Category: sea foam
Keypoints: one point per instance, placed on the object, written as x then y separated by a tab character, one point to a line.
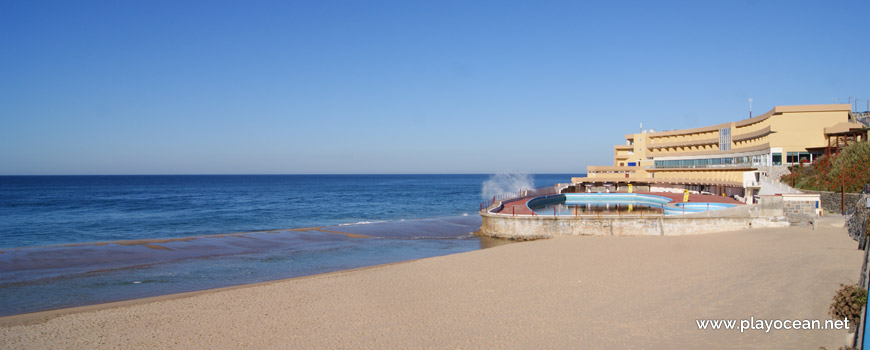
506	183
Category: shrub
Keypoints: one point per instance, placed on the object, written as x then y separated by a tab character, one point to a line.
850	168
848	302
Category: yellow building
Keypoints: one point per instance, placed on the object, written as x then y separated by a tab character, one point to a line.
723	158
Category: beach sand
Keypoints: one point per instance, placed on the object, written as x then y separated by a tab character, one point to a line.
568	292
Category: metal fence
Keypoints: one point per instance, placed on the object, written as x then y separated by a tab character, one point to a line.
857	219
521	194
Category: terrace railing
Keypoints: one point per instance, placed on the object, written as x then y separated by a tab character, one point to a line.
496	201
703	166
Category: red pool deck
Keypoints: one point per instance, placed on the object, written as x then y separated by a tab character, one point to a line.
519	207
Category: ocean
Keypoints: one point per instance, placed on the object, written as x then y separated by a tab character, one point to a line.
79	240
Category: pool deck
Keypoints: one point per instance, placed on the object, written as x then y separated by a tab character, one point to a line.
519	207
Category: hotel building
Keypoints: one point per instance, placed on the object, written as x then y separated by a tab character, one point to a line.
726	158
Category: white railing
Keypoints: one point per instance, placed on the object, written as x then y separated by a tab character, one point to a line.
504	197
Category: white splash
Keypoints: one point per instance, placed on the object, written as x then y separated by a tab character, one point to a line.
506	183
358	223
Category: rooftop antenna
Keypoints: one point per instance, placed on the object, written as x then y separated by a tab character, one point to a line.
750	107
641	127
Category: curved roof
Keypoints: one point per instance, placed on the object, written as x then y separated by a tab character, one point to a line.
843	127
842	107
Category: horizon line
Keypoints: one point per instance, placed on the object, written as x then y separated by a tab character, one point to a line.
290	174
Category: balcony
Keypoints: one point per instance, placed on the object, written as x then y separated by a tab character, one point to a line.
751	135
701	142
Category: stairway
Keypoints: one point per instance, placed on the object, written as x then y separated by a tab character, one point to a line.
771	187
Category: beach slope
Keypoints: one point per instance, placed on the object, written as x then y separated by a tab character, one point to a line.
567	292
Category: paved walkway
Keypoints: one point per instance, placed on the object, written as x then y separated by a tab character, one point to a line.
517	207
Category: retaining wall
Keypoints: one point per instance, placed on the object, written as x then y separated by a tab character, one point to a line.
801	209
831	201
542	226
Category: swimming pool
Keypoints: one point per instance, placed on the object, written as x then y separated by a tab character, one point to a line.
688	208
616	204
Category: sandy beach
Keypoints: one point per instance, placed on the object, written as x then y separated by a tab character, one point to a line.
567	292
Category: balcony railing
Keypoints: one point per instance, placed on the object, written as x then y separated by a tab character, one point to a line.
702	166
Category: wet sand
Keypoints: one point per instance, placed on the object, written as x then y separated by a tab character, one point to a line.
567	292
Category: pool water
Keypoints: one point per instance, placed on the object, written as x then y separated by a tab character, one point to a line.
688	208
616	204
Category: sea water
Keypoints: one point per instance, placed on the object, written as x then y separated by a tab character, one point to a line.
80	240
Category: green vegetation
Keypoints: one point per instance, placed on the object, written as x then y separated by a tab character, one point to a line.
849	168
848	303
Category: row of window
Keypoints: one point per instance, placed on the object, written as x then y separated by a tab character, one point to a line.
794	157
706	162
756	160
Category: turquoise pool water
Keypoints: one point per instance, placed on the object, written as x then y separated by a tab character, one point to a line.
616	204
689	208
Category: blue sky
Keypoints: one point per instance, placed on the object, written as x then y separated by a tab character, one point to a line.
249	87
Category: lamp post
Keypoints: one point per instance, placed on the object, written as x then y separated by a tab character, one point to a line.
843	189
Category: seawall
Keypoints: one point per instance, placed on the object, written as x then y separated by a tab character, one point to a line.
771	211
538	227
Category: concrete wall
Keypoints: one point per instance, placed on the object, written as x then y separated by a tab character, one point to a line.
801	209
537	227
831	201
795	132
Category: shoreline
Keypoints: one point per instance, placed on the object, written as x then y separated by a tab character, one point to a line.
38	317
41	316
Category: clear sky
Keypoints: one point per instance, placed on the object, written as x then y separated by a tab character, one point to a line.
250	87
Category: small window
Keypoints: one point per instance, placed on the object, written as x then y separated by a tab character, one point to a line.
777	159
804	157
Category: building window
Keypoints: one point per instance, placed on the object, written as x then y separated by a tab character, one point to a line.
777	159
804	157
755	160
791	157
725	139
